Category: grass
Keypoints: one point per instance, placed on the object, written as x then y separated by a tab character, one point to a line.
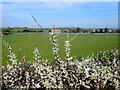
0	52
0	47
82	45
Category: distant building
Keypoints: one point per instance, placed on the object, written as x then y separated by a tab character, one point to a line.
94	30
103	30
45	31
56	31
110	31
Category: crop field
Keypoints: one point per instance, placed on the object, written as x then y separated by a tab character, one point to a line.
83	45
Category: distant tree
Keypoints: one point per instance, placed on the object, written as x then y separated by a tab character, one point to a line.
106	30
96	30
77	30
25	29
70	30
100	30
41	30
7	31
84	31
118	31
18	31
49	30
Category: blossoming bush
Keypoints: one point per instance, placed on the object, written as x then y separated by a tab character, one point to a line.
98	72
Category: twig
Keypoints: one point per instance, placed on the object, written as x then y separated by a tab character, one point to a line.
36	21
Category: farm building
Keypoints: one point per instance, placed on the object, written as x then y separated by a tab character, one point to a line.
56	31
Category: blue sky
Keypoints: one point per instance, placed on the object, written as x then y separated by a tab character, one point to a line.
62	14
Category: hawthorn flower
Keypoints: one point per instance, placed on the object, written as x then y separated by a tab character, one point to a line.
67	49
37	85
89	73
54	42
12	57
37	57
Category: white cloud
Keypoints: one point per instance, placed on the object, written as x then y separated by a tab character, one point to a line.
26	7
21	13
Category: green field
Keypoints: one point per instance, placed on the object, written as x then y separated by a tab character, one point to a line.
0	47
0	52
82	45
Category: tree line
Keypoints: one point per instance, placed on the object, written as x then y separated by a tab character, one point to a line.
10	30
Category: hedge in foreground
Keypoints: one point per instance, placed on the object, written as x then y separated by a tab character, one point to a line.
98	72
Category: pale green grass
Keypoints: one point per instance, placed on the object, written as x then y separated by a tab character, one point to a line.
82	45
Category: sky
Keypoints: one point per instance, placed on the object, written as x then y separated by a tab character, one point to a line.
62	14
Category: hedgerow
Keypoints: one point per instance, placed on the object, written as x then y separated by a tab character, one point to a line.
97	72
